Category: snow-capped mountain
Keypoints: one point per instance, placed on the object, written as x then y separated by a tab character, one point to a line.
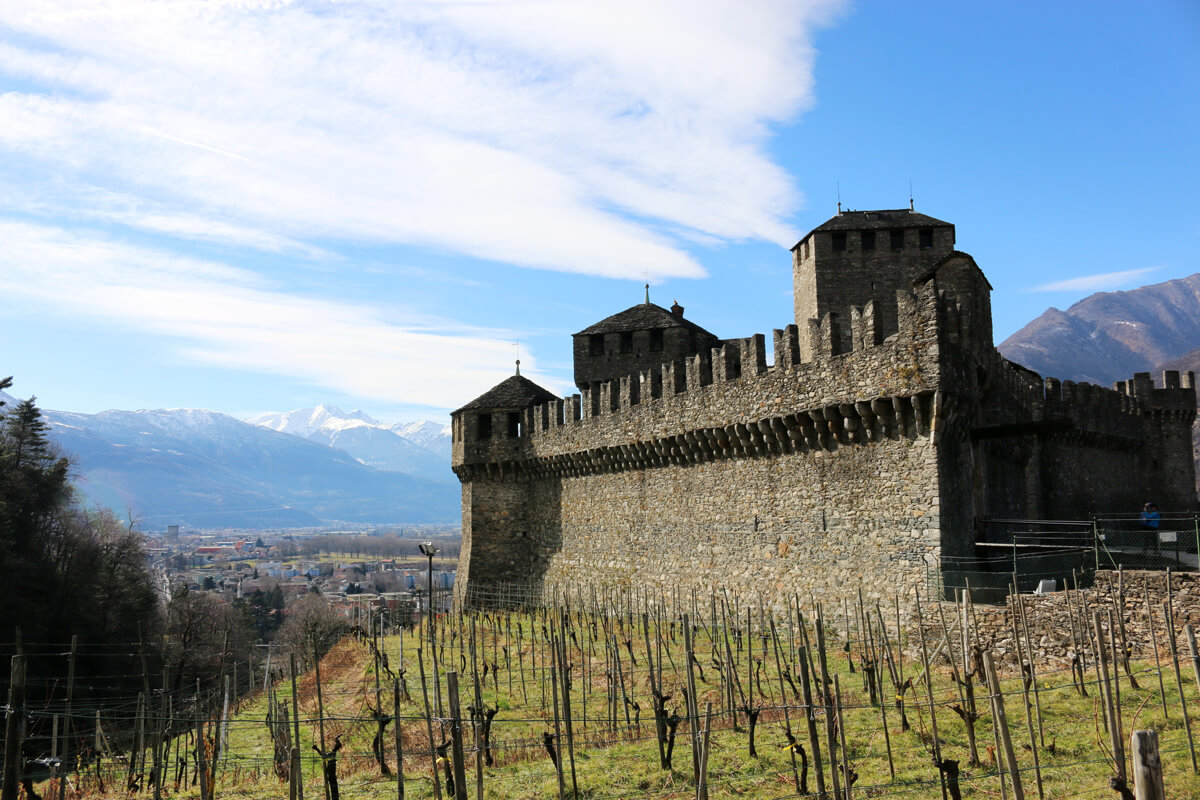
306	421
206	469
415	448
434	436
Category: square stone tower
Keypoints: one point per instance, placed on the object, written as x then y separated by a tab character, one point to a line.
859	256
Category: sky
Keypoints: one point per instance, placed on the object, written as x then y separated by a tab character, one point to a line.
261	206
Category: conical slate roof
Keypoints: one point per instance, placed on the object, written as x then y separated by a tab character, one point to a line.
642	317
515	392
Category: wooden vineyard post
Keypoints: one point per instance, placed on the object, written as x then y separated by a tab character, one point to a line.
223	742
98	746
1037	697
201	748
562	789
1027	678
1105	689
827	702
135	754
1162	689
1147	767
477	714
936	750
565	687
787	720
814	741
847	774
702	786
14	728
692	706
399	744
320	711
1187	723
1010	756
296	780
70	752
296	736
1115	684
433	756
456	740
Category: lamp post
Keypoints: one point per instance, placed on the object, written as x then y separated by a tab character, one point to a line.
428	550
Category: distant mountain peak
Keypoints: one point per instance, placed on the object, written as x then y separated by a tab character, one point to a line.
304	422
417	448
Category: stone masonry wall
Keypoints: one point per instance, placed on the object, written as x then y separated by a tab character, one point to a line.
800	522
1050	620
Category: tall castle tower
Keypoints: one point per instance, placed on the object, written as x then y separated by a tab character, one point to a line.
859	256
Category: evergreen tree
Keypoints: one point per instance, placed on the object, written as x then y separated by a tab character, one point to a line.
64	569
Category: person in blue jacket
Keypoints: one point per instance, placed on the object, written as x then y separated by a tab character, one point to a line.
1149	522
1151	517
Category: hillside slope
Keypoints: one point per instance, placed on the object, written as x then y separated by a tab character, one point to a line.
1108	336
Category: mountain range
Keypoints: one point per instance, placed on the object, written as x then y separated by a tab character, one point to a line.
414	448
203	469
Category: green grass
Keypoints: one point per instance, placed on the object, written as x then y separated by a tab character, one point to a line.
624	763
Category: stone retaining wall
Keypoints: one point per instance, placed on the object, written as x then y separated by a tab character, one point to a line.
1050	616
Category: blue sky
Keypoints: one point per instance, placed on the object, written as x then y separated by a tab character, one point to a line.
255	206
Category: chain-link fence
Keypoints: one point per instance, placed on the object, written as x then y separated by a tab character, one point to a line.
1048	555
1170	542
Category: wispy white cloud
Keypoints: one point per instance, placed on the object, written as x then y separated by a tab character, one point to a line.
585	137
1101	282
85	203
230	317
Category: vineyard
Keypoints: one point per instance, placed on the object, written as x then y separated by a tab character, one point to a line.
639	695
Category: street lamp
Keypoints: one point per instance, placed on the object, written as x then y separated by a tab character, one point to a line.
428	550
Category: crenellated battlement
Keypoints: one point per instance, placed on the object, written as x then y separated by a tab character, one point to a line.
726	387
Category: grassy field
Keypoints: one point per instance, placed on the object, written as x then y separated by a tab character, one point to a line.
622	760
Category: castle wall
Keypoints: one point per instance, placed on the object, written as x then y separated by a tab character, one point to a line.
797	522
796	476
868	460
736	386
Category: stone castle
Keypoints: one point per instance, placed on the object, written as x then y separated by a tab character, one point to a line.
865	452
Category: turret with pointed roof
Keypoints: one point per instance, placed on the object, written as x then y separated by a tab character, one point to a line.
513	392
634	340
489	427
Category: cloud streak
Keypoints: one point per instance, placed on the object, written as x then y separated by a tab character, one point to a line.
232	318
591	138
1101	282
